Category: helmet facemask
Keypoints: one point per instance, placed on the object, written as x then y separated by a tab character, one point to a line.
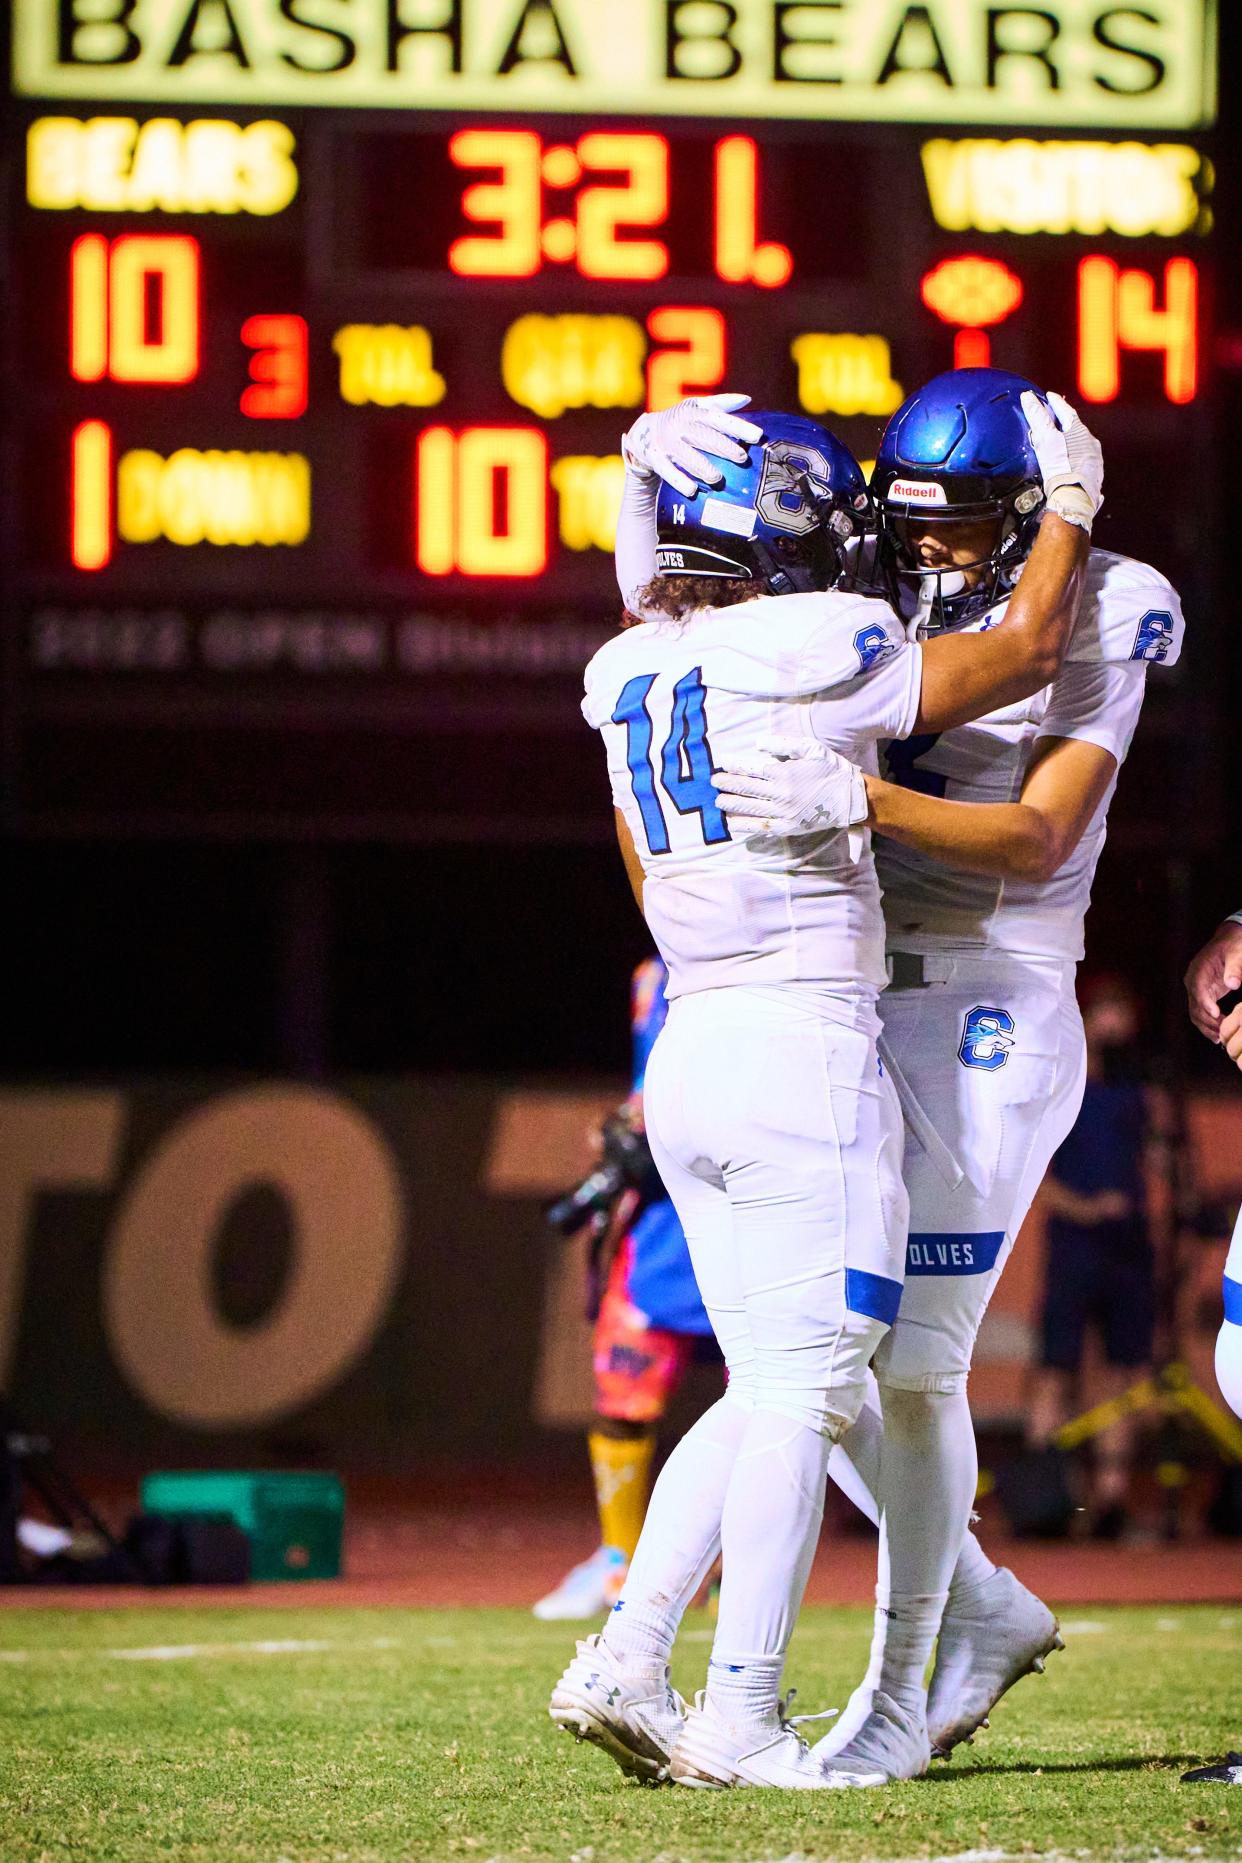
950	594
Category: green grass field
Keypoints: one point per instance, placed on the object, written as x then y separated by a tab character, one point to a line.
355	1736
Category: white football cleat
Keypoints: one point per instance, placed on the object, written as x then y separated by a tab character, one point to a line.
589	1590
1004	1633
711	1753
635	1715
891	1744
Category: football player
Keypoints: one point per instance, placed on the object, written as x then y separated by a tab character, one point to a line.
650	1327
990	834
770	1115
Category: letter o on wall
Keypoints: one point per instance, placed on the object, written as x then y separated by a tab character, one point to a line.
340	1183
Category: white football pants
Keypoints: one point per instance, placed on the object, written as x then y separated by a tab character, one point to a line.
778	1136
990	1062
1229	1339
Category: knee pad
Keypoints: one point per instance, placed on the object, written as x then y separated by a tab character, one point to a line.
933	1383
921	1358
822	1387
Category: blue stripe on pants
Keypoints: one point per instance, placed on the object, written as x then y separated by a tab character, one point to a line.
929	1252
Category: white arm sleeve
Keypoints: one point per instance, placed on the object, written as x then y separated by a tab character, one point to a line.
1099	703
636	539
881	703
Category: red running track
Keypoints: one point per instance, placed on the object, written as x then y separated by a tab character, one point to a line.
510	1550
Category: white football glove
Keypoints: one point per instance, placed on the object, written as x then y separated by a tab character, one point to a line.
674	444
794	787
1071	464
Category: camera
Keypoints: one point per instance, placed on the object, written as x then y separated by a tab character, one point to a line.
627	1164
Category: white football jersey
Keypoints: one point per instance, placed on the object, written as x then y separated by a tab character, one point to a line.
1130	618
676	699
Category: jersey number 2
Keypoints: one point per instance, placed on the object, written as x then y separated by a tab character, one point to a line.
685	762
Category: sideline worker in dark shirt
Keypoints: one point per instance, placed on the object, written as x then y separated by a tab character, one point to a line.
1099	1269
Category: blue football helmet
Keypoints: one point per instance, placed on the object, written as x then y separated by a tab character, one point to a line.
781	519
958	450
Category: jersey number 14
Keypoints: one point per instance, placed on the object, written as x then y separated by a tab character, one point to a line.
686	767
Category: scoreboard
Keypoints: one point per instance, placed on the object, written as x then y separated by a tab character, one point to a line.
312	407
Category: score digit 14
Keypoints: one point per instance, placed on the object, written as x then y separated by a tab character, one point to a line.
523	236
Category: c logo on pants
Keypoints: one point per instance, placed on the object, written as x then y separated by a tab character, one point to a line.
987	1037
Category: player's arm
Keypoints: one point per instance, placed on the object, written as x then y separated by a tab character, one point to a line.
1087	1210
629	855
1030	839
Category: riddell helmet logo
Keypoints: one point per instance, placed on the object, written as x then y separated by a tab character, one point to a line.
918	491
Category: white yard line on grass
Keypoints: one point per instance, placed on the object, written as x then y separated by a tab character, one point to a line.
1131	1854
180	1652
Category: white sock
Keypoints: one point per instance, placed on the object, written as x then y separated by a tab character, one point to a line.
680	1537
972	1570
854	1466
745	1690
769	1531
911	1623
928	1475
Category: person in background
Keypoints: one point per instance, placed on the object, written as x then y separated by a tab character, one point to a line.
1216	972
651	1326
1099	1270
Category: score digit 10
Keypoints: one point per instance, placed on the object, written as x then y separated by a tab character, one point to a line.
525	236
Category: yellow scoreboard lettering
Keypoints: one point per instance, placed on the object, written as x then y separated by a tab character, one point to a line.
549	364
387	365
845	374
116	164
213	497
588	494
1065	62
1137	189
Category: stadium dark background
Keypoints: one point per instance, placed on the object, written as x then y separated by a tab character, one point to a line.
132	957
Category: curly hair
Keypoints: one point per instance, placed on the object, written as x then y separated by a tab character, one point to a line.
675	596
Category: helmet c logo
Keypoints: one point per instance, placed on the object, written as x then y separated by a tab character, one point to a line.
987	1037
1155	635
780	502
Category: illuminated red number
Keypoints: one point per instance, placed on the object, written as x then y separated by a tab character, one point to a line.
514	204
742	258
133	308
1117	310
698	361
641	200
481	501
277	388
973	292
90	495
88	308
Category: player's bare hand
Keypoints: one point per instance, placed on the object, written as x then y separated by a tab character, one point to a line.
1071	463
1231	1035
675	444
792	787
1214	972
